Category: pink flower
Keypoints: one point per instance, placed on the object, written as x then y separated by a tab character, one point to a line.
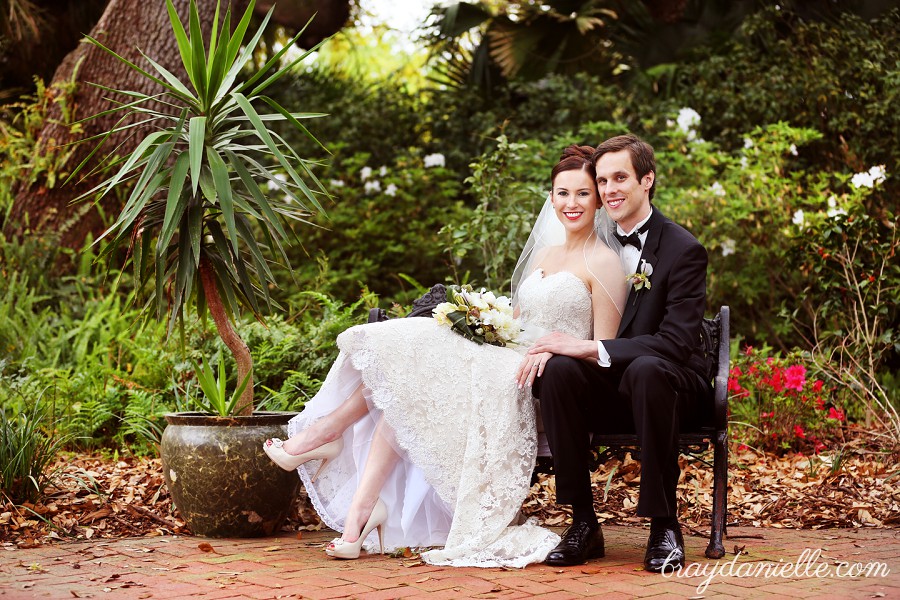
795	377
836	413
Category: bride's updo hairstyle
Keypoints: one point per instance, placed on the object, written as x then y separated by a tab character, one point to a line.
549	231
575	157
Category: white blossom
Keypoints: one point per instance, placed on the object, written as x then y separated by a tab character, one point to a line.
382	171
687	119
442	310
435	160
273	185
338	183
793	149
373	186
728	247
799	218
717	189
390	190
870	178
833	209
748	143
365	173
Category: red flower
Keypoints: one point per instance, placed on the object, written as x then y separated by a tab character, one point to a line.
795	377
798	431
748	351
820	404
817	386
775	380
836	413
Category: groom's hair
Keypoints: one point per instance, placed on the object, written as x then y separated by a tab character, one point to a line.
642	157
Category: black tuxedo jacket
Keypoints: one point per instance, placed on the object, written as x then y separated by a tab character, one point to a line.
664	321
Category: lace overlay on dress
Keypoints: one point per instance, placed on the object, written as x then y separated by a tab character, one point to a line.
465	432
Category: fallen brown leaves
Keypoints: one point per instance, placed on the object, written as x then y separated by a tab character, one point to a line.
102	498
858	487
95	498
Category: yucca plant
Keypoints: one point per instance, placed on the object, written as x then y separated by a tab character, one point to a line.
200	178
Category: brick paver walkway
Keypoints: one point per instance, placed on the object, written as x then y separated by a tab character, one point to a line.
288	567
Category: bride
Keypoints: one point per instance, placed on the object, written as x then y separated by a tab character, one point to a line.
428	439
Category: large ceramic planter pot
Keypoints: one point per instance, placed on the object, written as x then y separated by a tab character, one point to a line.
221	481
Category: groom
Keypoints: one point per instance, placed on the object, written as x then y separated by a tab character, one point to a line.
649	377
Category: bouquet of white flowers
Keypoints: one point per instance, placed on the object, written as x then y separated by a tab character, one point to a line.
479	316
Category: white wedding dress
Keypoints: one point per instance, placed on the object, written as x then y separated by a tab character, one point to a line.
465	432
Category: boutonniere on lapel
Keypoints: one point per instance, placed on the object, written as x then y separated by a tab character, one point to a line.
641	279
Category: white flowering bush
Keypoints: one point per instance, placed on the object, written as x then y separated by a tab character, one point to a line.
479	316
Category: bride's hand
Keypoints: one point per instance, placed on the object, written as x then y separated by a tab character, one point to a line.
532	366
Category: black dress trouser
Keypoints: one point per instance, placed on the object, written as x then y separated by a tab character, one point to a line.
652	396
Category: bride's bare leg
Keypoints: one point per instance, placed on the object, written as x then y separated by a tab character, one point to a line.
379	464
331	426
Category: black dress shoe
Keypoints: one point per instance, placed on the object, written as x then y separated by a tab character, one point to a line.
580	542
665	549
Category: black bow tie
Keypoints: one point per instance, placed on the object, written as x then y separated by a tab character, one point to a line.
632	238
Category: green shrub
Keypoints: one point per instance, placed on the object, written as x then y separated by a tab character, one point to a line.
384	222
840	77
847	253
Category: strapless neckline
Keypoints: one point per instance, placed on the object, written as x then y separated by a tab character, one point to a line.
545	275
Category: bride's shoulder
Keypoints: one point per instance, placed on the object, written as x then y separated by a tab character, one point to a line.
604	256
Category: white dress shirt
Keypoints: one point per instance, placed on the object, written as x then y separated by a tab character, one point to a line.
630	258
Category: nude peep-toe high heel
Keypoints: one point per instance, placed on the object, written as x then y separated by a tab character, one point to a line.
289	462
338	548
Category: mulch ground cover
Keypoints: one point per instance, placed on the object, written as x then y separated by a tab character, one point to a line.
859	486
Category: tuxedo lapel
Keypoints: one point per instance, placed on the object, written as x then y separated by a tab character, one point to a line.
654	232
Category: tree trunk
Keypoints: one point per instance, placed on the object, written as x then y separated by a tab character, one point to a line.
238	347
293	15
125	26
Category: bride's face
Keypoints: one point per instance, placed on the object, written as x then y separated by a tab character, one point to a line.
575	199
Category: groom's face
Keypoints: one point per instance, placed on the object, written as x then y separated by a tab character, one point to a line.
625	196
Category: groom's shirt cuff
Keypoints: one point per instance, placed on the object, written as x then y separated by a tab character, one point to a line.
602	355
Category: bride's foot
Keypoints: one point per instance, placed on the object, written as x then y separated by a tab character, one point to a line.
275	449
310	438
344	546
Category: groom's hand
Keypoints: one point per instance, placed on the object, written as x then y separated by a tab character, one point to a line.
532	366
566	345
